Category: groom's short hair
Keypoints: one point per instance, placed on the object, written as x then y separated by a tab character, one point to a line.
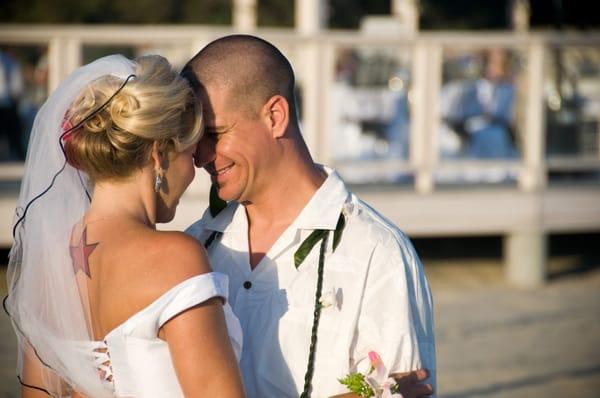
250	68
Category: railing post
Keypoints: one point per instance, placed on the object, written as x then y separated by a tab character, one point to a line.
310	19
55	63
525	249
244	15
525	256
311	16
322	152
407	11
426	72
533	173
64	56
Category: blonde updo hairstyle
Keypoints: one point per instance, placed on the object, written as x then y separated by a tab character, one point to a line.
157	105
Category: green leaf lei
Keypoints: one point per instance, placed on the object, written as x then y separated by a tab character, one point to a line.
216	205
299	256
317	235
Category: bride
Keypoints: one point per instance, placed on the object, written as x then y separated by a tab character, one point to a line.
102	303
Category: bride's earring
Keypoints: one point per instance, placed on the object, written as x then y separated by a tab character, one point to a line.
157	180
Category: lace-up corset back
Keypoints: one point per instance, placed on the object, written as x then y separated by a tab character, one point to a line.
133	362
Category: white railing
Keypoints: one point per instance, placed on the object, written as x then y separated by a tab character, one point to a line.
524	212
314	57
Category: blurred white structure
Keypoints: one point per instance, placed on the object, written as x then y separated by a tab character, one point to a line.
520	13
244	15
407	12
524	212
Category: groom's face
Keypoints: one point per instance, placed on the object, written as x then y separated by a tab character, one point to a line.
235	146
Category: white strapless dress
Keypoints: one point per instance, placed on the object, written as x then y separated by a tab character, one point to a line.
134	362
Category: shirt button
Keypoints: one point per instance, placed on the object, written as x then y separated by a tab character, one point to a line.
247	285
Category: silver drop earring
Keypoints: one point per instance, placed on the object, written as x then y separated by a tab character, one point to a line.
157	182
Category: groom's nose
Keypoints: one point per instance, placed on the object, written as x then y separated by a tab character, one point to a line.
205	152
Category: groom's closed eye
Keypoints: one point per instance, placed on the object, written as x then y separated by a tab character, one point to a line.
215	133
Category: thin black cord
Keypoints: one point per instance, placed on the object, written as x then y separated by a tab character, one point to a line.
83	186
34	351
32	201
34	387
23	334
62	148
20	220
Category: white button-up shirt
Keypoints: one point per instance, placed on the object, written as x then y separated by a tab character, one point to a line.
381	299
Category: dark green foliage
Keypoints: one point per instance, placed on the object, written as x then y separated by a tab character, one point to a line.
307	245
215	204
339	228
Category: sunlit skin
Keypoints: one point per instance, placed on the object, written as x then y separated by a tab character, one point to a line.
234	147
133	264
260	160
179	172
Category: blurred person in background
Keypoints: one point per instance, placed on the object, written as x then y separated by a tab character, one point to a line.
480	113
11	90
35	74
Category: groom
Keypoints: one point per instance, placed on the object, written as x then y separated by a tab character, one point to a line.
317	278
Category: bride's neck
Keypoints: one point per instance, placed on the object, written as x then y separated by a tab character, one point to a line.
124	199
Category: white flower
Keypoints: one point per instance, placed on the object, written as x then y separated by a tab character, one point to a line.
329	298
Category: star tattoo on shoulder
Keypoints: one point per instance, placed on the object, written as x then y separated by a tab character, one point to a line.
80	254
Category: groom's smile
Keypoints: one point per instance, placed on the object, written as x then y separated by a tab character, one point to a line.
217	175
235	146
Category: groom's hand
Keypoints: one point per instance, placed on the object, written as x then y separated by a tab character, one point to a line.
410	384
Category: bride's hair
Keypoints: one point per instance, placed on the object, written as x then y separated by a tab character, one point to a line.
157	105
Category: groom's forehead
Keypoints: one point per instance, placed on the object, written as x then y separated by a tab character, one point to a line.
212	105
220	107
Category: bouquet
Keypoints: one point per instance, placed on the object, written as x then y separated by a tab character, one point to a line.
376	383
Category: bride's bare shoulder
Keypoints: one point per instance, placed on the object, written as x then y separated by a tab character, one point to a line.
149	263
173	257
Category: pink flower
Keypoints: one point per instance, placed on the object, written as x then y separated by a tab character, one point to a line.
375	359
378	378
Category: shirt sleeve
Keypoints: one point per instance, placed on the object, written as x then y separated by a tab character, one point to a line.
396	314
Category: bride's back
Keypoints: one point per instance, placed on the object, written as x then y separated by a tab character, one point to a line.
127	271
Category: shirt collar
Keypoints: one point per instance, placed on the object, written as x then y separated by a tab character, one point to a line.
228	219
321	212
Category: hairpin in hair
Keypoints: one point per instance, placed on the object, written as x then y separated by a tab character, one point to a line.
70	130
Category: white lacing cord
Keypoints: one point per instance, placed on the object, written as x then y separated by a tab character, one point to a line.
102	360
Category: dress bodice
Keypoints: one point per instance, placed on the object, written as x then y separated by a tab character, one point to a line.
134	362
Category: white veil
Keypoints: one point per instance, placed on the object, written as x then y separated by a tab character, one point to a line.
43	299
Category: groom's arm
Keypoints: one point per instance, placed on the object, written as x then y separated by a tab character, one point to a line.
396	316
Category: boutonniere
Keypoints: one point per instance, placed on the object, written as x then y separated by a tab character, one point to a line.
376	383
330	297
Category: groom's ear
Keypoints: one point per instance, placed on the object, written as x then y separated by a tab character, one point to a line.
277	115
